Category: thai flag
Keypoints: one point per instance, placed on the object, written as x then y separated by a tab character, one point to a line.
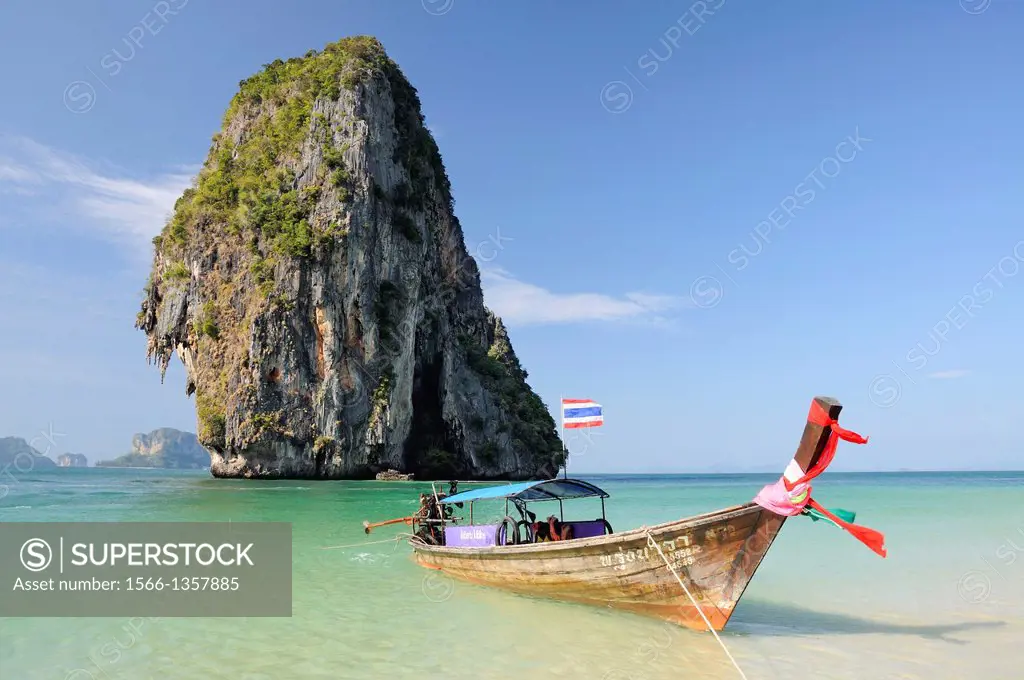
581	413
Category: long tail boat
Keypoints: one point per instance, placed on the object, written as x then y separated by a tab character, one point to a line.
691	571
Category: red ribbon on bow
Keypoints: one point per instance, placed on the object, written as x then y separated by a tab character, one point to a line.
872	539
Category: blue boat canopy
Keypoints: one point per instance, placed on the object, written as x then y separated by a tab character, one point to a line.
548	490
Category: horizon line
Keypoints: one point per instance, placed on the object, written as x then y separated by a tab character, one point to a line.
602	474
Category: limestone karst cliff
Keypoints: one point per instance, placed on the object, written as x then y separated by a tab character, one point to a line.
316	286
163	448
72	460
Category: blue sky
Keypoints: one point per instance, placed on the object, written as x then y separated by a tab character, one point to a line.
707	213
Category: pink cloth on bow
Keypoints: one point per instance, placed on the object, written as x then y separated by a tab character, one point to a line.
789	497
776	498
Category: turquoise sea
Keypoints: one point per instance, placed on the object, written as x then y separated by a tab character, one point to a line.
948	602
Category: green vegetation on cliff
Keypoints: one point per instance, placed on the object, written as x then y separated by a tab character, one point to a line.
247	188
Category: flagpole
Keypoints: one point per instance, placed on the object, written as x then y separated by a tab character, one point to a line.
565	449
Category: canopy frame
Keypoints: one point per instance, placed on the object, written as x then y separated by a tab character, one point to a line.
528	492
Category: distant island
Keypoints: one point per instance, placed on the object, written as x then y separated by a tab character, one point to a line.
163	448
72	460
17	454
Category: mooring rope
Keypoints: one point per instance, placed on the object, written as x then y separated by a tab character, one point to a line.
359	545
654	544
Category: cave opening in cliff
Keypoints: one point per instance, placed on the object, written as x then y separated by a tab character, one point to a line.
430	450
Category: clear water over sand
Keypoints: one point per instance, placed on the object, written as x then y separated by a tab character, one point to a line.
947	603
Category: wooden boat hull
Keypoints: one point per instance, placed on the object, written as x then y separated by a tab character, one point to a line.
715	555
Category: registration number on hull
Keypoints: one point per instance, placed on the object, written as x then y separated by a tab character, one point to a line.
680	552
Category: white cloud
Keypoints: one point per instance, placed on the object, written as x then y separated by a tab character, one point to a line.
948	375
518	302
11	172
129	211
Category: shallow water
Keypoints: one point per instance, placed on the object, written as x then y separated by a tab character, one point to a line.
948	602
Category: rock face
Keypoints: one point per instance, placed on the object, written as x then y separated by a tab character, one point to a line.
316	286
16	455
163	448
72	460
